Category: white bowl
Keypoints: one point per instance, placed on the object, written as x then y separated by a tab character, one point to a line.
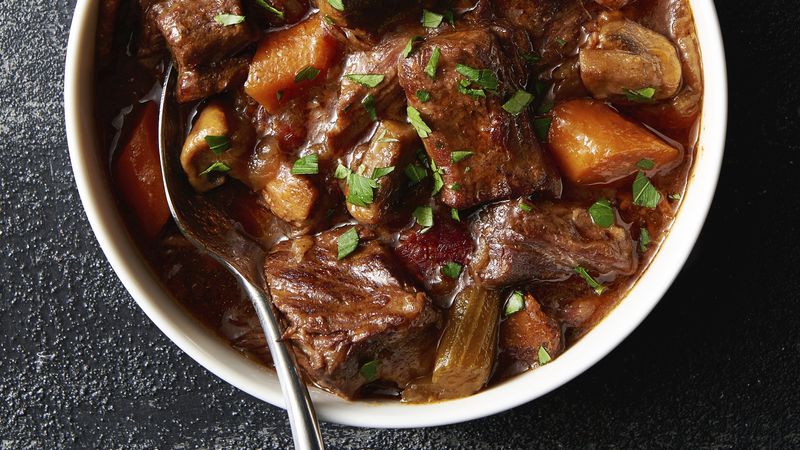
214	354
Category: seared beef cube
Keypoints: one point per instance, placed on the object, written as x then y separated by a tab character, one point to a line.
352	120
200	82
341	314
393	145
193	35
506	159
426	254
524	332
554	25
546	244
363	13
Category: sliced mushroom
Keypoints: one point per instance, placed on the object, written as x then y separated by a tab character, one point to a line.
621	55
215	121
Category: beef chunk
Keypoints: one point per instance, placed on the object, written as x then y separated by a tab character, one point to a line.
425	254
342	314
199	82
393	145
524	332
546	244
352	120
363	13
554	25
200	46
507	159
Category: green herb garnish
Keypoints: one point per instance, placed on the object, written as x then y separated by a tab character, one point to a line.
515	303
541	126
306	73
307	165
518	102
454	214
415	173
266	5
423	130
369	371
218	144
643	95
644	239
645	164
460	155
217	166
602	213
365	79
379	172
644	193
337	5
410	45
228	19
423	95
369	104
347	243
451	270
424	217
598	288
430	19
433	63
544	357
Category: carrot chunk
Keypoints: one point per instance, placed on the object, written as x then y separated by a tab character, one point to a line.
137	174
593	144
288	62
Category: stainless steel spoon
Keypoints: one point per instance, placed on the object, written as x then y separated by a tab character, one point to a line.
215	233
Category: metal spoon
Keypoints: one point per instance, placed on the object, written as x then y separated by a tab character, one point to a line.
215	233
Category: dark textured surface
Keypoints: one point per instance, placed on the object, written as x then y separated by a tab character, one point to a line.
715	365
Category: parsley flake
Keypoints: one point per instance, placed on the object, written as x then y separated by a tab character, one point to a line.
217	166
266	5
369	371
307	73
644	193
423	95
644	239
218	144
514	304
518	102
597	287
409	48
347	243
424	217
643	95
645	164
228	19
365	79
433	63
337	5
602	213
451	270
415	173
431	19
460	155
543	356
307	165
455	215
423	130
369	104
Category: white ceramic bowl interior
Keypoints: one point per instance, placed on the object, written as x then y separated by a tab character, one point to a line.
214	354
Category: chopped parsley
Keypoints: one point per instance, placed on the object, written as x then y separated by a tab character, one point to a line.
379	172
341	172
217	166
307	73
460	155
675	196
644	193
514	304
369	371
561	42
643	95
423	95
451	270
438	182
531	58
266	5
409	48
369	104
544	357
518	102
424	217
454	214
455	187
542	127
602	213
645	164
423	130
347	243
361	188
485	79
524	206
644	239
431	19
597	287
337	5
415	173
307	165
450	16
433	63
228	19
218	144
545	107
365	79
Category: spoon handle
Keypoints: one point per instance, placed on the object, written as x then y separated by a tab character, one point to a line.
302	418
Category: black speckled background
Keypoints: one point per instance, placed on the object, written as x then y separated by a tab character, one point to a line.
716	365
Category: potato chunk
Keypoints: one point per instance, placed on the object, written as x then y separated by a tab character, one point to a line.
276	72
290	197
593	144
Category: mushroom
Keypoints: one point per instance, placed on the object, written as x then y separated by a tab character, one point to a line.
622	56
214	147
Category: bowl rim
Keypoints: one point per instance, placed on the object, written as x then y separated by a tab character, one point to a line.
219	358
